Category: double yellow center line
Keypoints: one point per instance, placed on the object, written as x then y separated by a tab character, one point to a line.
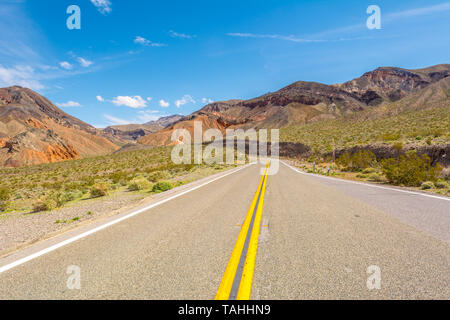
237	279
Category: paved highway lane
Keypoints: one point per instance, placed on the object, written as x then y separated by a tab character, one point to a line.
315	241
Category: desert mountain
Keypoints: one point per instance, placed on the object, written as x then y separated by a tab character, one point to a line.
131	132
33	131
303	102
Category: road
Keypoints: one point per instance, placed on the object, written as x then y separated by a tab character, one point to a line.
316	239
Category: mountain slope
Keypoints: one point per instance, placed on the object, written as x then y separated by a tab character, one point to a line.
306	102
131	132
33	130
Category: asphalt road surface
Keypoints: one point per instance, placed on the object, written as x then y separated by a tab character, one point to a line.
285	236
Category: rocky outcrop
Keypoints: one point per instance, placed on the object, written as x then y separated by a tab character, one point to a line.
33	131
34	147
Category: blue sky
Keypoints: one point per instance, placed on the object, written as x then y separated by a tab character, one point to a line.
134	61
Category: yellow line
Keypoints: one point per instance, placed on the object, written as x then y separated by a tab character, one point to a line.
245	286
223	293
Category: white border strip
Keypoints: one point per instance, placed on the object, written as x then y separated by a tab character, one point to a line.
365	184
106	225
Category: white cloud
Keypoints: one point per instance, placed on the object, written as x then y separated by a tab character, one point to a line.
419	11
20	75
149	99
103	6
66	65
272	36
114	121
100	98
83	62
186	99
163	103
146	42
207	100
174	34
132	102
68	104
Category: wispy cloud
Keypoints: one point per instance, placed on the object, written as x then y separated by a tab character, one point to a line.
148	115
100	98
419	11
134	102
24	76
84	63
103	6
320	36
207	100
174	34
66	65
272	36
145	42
68	104
116	121
185	100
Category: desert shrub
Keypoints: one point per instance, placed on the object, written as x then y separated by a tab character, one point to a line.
118	176
62	198
440	184
361	176
4	194
375	177
398	146
139	184
157	176
360	160
99	190
369	170
389	136
3	206
410	169
427	185
44	204
162	186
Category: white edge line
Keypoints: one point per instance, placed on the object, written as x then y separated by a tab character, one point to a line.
106	225
364	184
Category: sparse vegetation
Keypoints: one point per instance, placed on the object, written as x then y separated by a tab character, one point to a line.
46	187
431	125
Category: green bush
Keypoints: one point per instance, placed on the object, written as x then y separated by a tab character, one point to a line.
375	177
427	185
440	184
62	198
45	204
162	186
369	170
157	176
410	169
360	160
3	206
139	184
99	190
4	194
